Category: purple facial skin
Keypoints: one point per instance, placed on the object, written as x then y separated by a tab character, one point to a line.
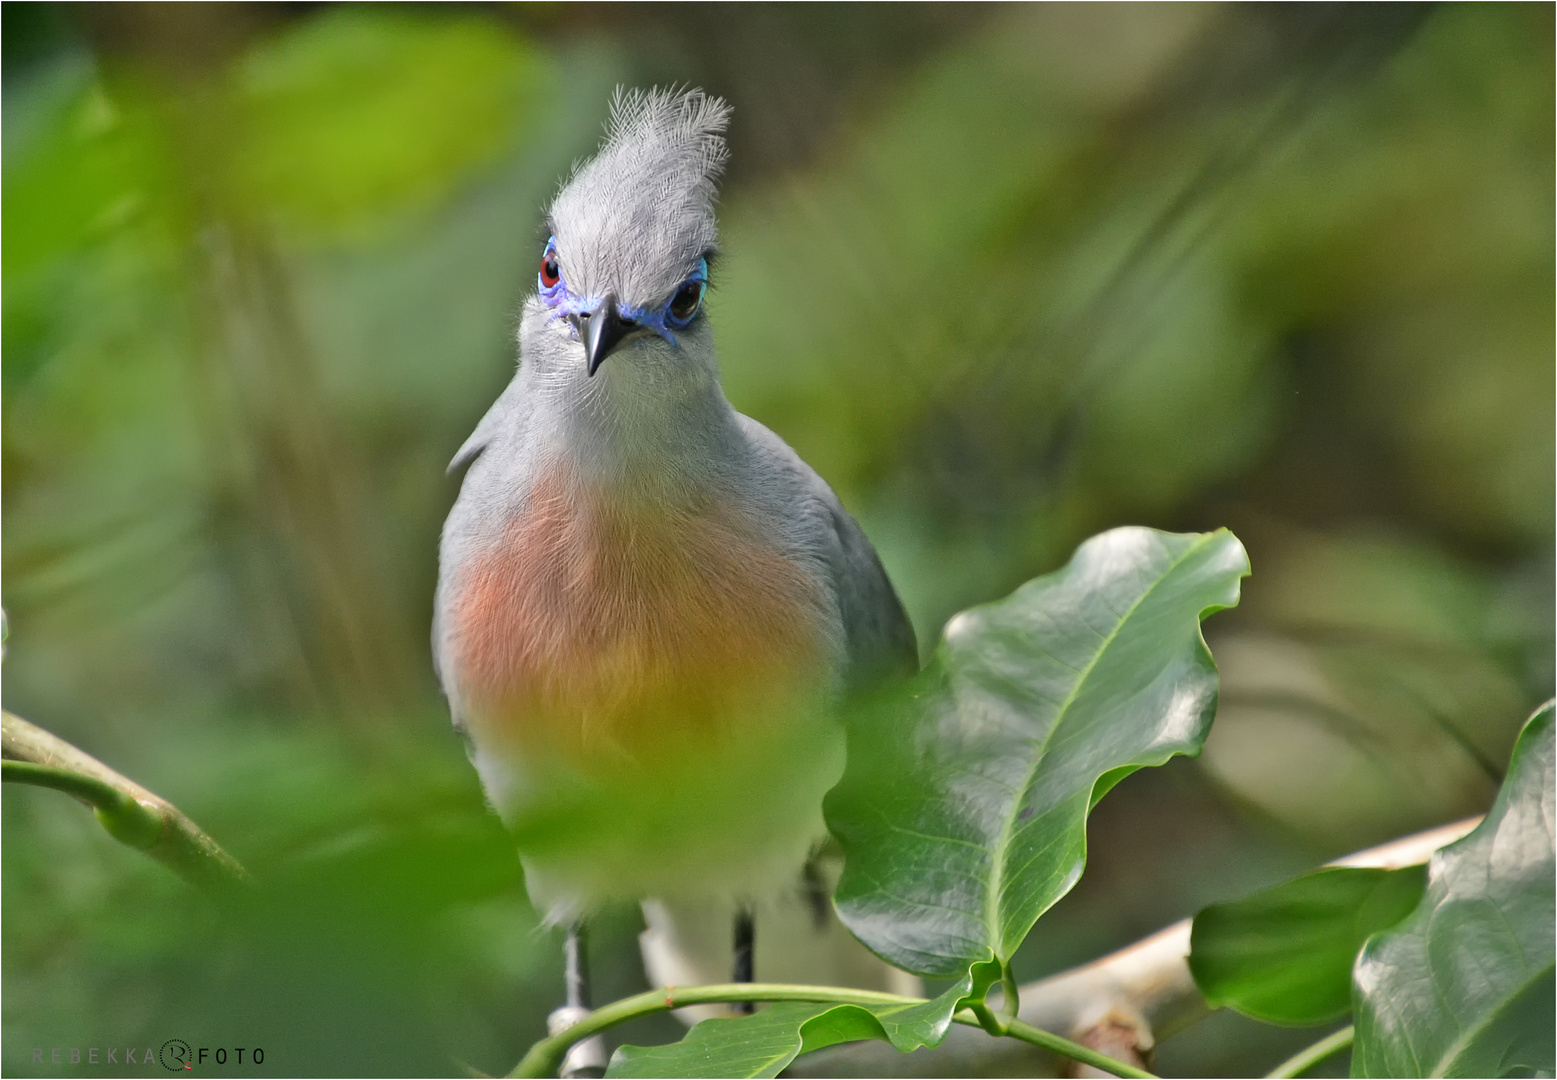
662	321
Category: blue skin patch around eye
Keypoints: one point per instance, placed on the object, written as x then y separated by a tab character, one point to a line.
563	303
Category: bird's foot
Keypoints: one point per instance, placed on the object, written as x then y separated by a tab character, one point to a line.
586	1057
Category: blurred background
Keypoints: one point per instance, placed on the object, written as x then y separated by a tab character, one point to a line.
1005	275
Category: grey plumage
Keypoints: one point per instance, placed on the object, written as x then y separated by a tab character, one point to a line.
639	215
651	429
879	640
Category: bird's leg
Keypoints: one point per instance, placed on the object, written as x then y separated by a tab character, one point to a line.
816	895
745	947
575	971
587	1057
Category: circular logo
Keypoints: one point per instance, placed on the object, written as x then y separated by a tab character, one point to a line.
175	1055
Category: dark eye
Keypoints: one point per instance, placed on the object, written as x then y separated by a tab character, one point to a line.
687	300
551	273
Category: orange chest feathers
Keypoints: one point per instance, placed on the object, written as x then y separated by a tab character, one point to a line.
592	624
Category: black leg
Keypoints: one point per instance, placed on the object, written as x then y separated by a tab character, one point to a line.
745	946
576	966
816	896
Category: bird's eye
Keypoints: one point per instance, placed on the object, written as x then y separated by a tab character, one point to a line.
683	307
551	273
687	300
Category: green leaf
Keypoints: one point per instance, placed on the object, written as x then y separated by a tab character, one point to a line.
81	177
1285	955
1464	987
357	112
759	1045
965	819
765	1043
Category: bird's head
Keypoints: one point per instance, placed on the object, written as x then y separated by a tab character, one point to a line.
632	232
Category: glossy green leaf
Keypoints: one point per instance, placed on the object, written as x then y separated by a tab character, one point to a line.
765	1043
1464	987
759	1045
1285	955
965	819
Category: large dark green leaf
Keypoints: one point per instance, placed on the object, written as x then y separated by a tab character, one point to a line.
765	1043
1285	955
1464	987
965	819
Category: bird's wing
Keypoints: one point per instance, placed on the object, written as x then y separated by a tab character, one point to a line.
487	427
878	635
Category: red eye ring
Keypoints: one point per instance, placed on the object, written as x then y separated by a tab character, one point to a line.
551	273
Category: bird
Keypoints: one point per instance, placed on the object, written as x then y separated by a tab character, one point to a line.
642	592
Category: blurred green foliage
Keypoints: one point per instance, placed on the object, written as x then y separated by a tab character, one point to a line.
1005	276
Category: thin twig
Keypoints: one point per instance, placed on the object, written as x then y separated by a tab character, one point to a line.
544	1057
1300	1062
547	1054
1018	1029
129	812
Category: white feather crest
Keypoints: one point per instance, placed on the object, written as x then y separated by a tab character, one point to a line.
635	219
661	122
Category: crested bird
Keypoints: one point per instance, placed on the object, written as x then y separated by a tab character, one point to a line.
639	585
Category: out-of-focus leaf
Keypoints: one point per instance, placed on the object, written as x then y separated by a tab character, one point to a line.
1369	702
1464	986
361	947
80	177
765	1043
1204	365
359	113
1285	955
1444	367
964	820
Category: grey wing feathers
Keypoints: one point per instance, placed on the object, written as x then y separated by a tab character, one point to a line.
489	428
486	428
880	637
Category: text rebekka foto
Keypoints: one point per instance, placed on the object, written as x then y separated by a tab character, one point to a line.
219	1055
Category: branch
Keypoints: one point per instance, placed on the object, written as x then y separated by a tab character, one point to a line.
545	1056
130	813
1146	987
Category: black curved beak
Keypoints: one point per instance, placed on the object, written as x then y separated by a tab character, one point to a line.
601	331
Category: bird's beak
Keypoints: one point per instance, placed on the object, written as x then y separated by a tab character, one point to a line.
601	331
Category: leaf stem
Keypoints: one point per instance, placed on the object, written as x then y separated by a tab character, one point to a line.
544	1058
1306	1059
1013	1001
130	813
992	1022
1018	1029
126	820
